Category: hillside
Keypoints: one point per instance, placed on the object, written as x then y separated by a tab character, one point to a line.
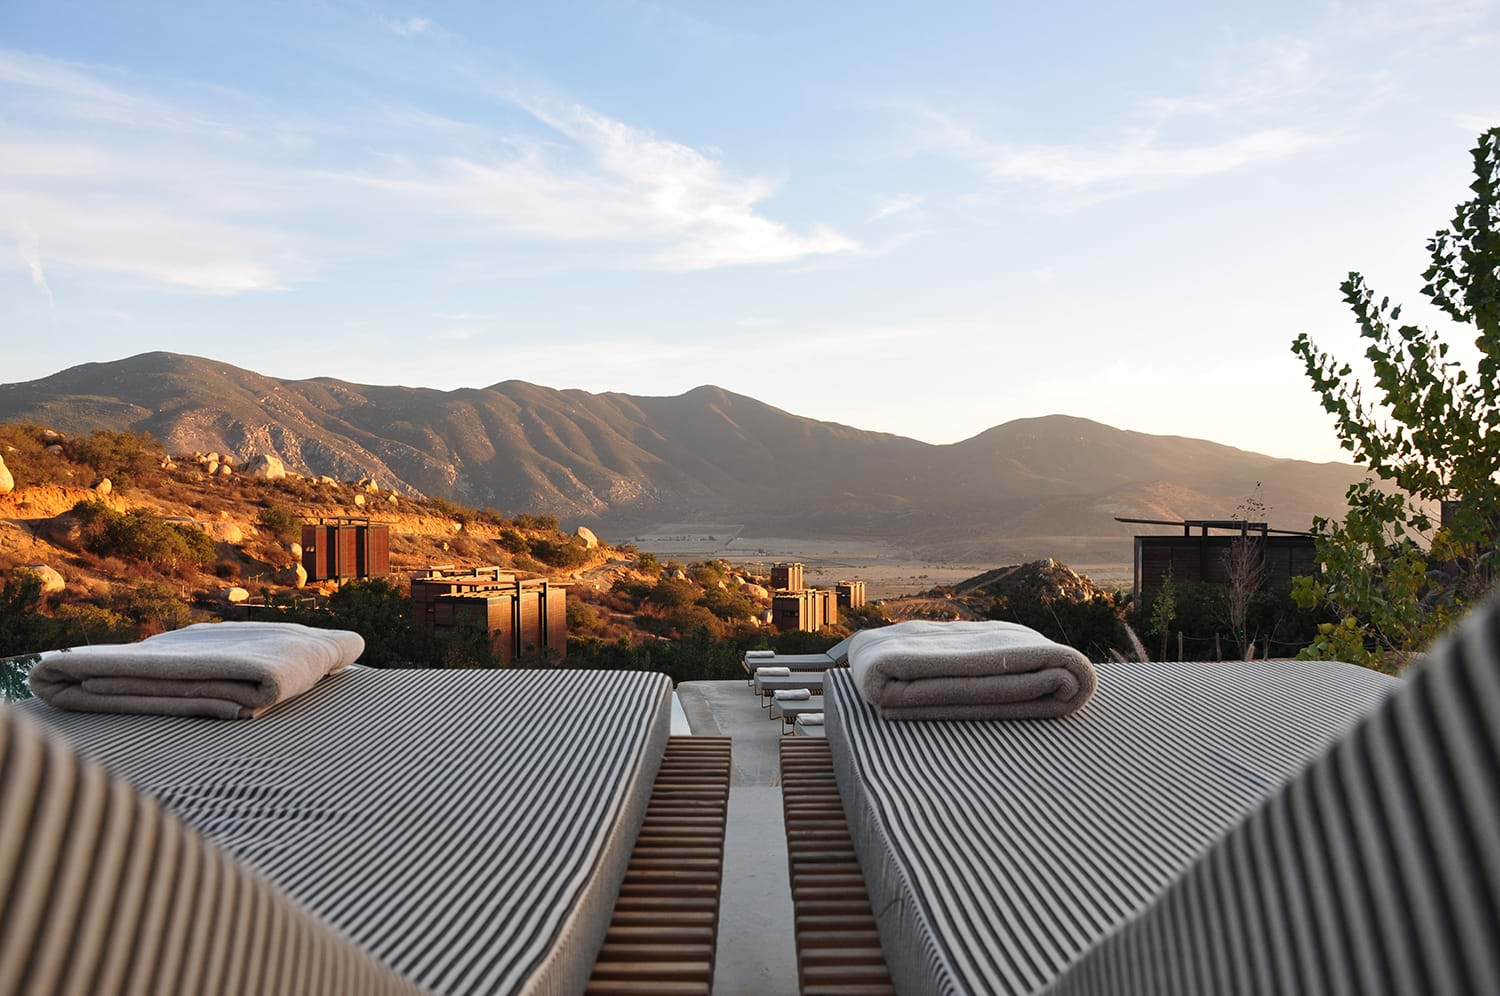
127	540
1046	486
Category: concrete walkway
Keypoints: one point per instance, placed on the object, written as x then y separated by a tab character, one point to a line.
757	953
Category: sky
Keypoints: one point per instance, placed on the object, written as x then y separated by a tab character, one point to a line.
922	219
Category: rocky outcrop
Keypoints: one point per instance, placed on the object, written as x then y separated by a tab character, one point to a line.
104	486
359	500
589	539
266	467
235	595
52	581
755	591
7	481
295	576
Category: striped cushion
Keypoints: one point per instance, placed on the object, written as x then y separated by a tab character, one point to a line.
103	892
469	828
998	852
1376	871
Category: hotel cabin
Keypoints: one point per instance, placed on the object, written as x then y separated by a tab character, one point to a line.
1201	558
808	610
344	548
527	621
786	577
851	594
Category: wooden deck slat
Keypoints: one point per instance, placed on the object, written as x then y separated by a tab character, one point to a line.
838	945
662	938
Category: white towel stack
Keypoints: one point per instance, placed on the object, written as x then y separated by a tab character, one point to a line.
793	695
759	654
811	719
773	672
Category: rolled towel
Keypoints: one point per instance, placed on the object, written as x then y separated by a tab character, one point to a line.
759	654
772	672
793	695
968	670
811	719
232	670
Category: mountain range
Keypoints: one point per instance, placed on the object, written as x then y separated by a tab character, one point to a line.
1047	486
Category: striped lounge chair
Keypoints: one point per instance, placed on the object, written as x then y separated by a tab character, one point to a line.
1271	827
835	656
387	832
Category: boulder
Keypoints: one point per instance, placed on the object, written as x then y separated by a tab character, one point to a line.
51	434
227	459
62	530
367	484
104	486
295	549
211	467
325	479
210	458
52	582
168	464
266	467
587	535
392	499
7	482
236	595
55	450
225	470
295	576
226	532
754	591
359	500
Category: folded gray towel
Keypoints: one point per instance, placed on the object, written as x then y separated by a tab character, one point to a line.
968	670
222	670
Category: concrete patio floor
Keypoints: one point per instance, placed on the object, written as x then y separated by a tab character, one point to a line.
757	952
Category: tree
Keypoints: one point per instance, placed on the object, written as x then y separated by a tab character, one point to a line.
1163	611
1245	567
1394	577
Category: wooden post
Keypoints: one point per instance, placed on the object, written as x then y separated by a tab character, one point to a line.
1179	645
1218	654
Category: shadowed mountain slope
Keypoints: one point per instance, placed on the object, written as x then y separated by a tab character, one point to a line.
1031	487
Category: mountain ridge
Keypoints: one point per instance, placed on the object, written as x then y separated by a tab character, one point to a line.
620	462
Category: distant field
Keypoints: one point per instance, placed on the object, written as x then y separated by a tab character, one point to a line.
887	571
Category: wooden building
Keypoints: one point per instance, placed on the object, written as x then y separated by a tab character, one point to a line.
527	621
851	594
1203	556
808	610
786	577
343	548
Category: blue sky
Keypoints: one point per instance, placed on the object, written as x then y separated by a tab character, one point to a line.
925	219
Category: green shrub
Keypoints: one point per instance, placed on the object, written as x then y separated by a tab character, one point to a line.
120	456
541	523
154	606
727	605
647	563
669	593
450	510
689	619
89	624
513	542
564	552
281	522
708	574
144	536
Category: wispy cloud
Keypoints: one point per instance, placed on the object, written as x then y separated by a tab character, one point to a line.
406	27
31	258
228	201
631	186
889	207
